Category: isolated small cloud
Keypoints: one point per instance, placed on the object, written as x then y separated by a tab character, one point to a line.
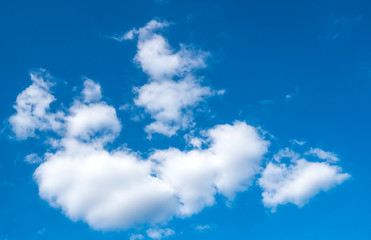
291	95
297	181
297	142
341	26
202	228
321	154
33	158
159	233
91	92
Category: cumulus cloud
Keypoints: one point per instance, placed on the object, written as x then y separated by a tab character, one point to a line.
158	59
119	190
226	167
172	90
33	106
108	190
169	103
297	181
89	120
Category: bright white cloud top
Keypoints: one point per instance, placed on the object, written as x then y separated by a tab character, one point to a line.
117	188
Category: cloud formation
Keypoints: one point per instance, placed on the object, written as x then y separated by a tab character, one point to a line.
114	188
33	106
297	181
172	90
118	189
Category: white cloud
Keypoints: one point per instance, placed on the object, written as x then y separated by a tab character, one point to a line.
115	188
158	59
107	190
159	233
202	228
226	167
286	153
91	92
297	142
329	156
172	90
89	120
118	189
169	103
33	158
298	182
32	107
136	237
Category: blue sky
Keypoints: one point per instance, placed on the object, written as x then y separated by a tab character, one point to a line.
185	119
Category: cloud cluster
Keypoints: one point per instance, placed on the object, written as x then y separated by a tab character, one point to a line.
116	188
172	91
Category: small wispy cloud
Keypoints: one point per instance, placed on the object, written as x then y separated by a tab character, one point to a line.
136	237
33	158
297	142
328	156
291	95
202	228
159	233
341	26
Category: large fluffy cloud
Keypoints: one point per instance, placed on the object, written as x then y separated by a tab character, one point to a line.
118	189
172	90
108	190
